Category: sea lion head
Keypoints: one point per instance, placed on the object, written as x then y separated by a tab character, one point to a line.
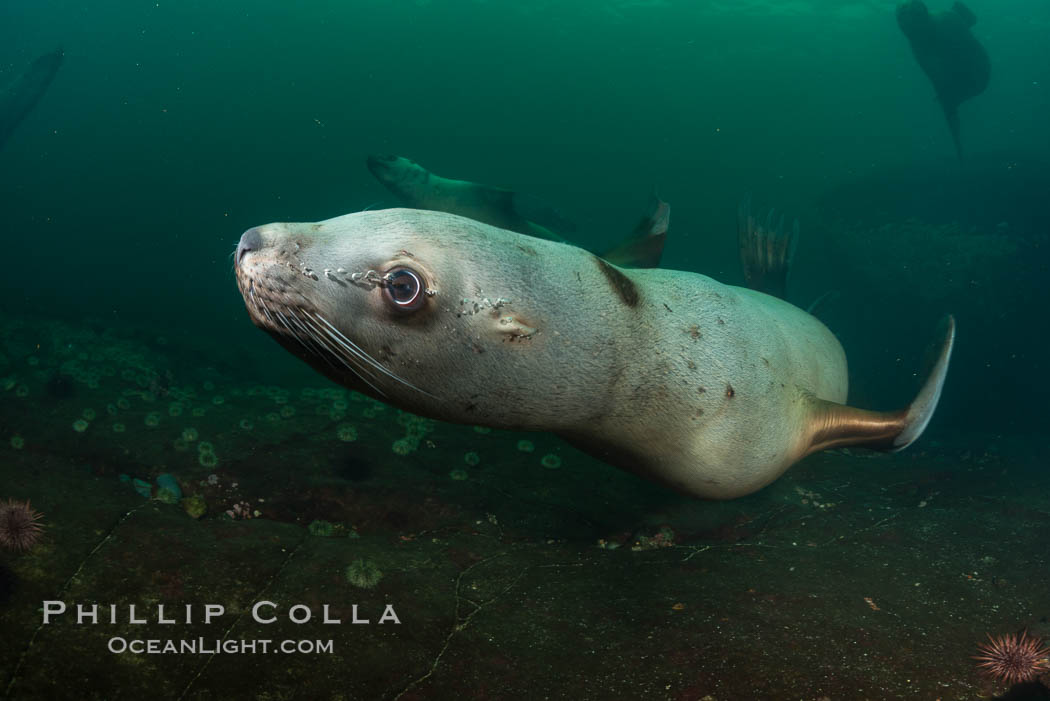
914	20
438	314
402	176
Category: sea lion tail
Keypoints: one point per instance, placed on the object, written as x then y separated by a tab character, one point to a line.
766	249
834	425
644	247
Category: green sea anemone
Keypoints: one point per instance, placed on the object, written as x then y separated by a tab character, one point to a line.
321	529
80	425
89	414
17	442
167	495
403	446
153	419
208	459
526	446
363	574
347	433
119	428
472	459
190	435
458	474
195	505
551	461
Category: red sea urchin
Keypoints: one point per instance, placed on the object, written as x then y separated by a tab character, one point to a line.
19	525
1013	658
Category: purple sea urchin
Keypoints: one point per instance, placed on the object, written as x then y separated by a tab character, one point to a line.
19	525
1013	658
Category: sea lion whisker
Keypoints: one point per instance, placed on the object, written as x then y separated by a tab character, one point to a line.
338	336
347	361
291	332
350	346
317	335
301	330
320	346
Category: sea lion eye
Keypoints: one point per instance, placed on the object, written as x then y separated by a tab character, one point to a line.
405	289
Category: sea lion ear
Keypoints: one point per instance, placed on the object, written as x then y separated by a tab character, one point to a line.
967	15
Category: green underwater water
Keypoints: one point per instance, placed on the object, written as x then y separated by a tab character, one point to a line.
521	568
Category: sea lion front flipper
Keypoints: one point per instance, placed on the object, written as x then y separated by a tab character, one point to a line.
833	425
766	250
967	15
644	247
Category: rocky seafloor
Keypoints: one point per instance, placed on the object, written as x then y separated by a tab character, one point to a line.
517	567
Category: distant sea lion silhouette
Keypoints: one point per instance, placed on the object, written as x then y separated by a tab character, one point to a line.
21	96
949	54
418	188
712	389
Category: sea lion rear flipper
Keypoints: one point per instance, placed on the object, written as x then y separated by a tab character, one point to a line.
967	15
766	250
645	245
833	425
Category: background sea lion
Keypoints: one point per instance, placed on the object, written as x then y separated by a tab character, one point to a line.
712	389
19	98
949	54
418	188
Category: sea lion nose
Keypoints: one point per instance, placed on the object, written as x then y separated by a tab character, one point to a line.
251	240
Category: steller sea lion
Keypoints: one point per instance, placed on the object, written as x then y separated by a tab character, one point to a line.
19	98
418	188
952	58
712	389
